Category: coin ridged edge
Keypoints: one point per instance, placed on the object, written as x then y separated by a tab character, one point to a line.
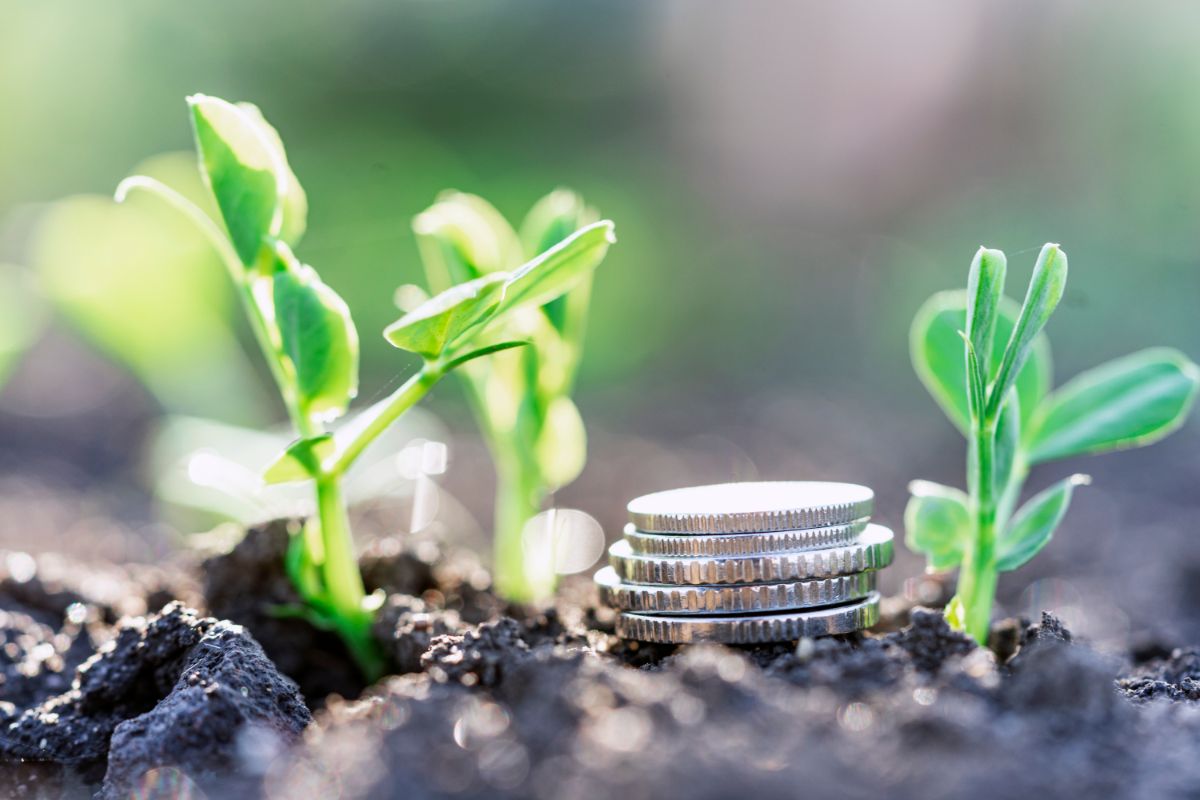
874	553
753	521
784	596
673	545
750	630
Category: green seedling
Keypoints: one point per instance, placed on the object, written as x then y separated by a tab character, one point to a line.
986	362
310	343
521	400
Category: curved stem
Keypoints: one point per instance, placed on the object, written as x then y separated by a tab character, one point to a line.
241	280
383	414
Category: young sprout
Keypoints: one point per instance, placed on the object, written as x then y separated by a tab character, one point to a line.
986	362
310	343
522	400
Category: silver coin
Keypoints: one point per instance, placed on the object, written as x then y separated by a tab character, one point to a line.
751	507
785	627
870	551
696	545
785	596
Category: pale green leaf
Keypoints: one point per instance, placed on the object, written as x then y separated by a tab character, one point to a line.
560	268
244	171
295	201
937	356
319	339
437	324
985	290
561	448
301	461
955	614
461	237
1033	525
1129	402
1046	287
937	522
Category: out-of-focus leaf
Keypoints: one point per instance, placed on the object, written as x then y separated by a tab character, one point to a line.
22	317
102	266
295	201
1033	525
560	268
439	322
551	220
985	289
937	356
461	237
301	461
955	614
1046	288
562	444
937	522
1129	402
319	339
244	170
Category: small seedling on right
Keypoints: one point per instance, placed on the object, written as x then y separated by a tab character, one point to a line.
986	362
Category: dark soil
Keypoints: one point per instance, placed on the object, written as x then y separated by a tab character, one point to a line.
491	701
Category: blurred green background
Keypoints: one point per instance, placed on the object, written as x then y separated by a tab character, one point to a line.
789	182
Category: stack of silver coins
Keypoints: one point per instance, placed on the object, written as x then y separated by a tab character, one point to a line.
742	563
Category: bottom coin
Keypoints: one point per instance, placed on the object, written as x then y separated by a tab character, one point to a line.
751	628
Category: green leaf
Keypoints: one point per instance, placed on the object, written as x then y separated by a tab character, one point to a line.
560	268
1046	288
561	448
955	614
937	356
295	201
1033	525
319	339
1129	402
461	237
937	522
301	461
244	171
552	219
985	289
976	380
434	326
1008	441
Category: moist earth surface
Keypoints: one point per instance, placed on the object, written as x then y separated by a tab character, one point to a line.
154	683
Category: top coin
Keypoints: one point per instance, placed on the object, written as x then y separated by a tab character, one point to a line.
751	507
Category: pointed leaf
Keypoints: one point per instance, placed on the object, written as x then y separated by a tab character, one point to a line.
301	461
560	268
937	356
1046	288
461	237
1033	525
937	522
985	289
432	327
552	219
319	339
243	169
1129	402
295	201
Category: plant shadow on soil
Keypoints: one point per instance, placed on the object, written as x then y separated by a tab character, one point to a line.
492	701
